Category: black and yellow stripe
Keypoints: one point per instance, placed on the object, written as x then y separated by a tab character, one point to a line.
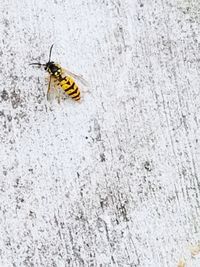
70	88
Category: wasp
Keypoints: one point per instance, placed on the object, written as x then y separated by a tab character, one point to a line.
62	78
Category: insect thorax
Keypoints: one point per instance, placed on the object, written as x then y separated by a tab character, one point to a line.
54	69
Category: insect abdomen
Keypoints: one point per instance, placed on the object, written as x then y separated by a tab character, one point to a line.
70	88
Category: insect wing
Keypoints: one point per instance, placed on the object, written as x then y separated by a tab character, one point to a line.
51	89
78	78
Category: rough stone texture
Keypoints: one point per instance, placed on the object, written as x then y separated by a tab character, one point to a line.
114	180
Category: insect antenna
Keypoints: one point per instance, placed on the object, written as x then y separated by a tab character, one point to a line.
50	52
37	64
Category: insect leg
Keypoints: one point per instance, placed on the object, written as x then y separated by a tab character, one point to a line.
57	93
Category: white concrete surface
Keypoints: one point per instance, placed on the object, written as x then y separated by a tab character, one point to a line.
114	180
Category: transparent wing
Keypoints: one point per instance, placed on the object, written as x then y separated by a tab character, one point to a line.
50	88
52	91
77	77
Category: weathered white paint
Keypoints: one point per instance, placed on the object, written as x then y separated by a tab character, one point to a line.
113	181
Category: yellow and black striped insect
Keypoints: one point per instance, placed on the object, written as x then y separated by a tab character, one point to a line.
62	78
